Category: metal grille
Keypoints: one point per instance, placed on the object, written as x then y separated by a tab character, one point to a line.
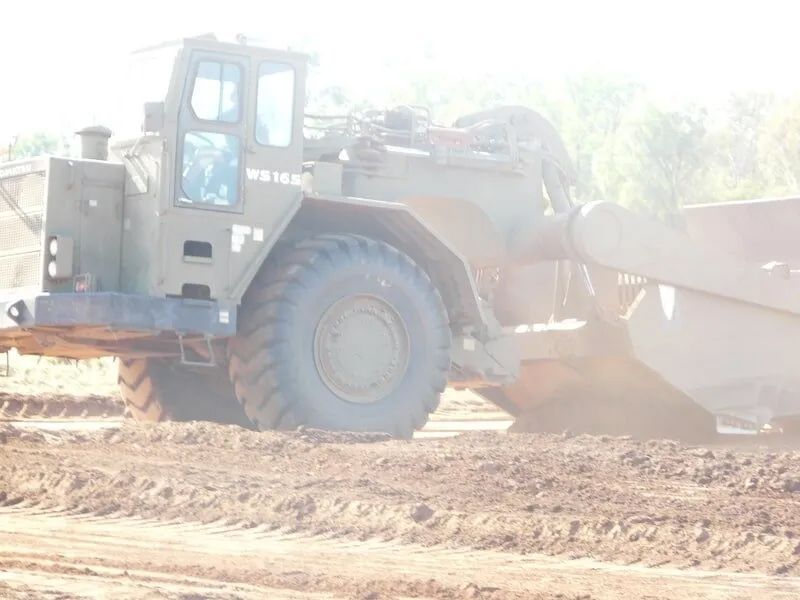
20	270
19	234
22	201
22	195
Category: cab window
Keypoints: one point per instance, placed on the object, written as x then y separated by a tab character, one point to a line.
275	104
210	174
215	94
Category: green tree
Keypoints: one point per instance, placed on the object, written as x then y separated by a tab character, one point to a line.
663	159
779	149
34	144
736	167
591	113
626	149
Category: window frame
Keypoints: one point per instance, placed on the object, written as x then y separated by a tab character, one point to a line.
293	70
241	91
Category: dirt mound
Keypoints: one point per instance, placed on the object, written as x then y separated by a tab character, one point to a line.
616	499
605	395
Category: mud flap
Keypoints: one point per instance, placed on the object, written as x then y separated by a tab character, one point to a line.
605	395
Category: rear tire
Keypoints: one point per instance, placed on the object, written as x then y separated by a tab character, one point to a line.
341	332
161	390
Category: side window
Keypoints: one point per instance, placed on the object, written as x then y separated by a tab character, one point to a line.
210	169
275	104
215	93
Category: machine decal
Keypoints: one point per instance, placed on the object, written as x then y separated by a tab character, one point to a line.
279	177
239	234
21	170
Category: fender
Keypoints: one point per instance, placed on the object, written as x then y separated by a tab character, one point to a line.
398	225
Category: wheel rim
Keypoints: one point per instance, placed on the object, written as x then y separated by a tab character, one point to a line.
361	348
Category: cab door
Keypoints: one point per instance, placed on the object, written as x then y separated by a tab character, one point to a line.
237	173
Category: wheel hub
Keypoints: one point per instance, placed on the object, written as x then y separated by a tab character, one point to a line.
361	348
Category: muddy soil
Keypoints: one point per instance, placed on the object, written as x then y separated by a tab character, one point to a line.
615	500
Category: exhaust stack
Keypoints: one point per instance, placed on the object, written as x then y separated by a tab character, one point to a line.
94	142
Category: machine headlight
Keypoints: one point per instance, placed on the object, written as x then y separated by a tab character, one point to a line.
59	254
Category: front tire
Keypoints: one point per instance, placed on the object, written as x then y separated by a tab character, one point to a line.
341	332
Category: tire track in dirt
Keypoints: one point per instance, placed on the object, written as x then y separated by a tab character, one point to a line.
18	407
651	504
459	411
88	554
91	413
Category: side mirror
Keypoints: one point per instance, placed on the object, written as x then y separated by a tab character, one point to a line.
153	117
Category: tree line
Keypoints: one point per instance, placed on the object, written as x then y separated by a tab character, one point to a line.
631	148
628	147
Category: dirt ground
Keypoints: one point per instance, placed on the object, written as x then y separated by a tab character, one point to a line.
123	510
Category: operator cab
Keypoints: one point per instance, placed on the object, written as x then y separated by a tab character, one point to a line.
230	103
221	157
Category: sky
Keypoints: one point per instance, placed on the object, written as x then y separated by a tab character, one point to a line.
62	62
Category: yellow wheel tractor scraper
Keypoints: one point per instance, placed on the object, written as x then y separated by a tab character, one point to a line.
250	263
